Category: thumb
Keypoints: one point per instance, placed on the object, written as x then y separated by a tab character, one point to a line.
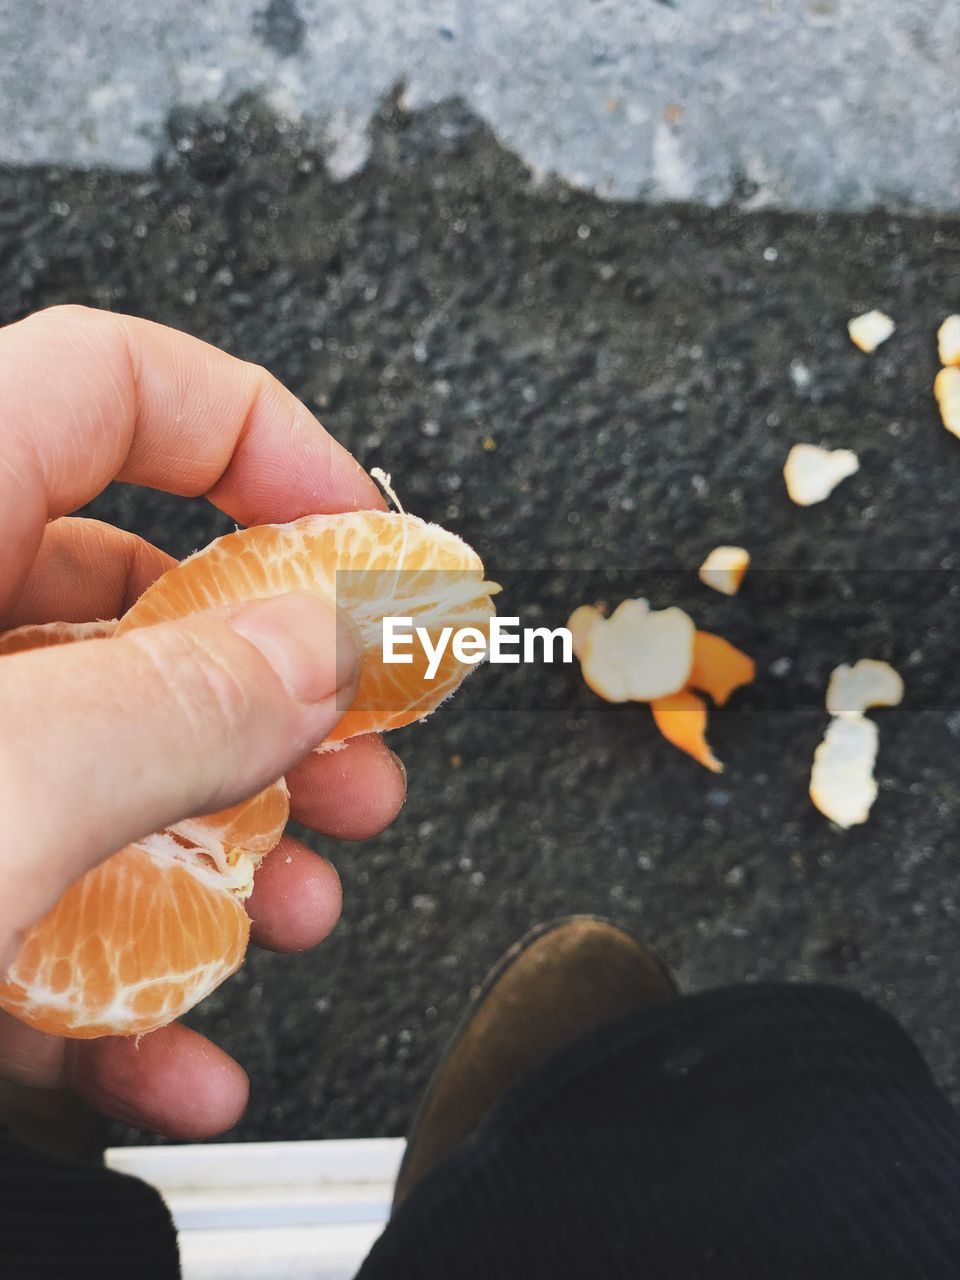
109	740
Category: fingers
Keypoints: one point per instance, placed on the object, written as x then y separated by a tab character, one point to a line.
86	569
296	899
172	1081
90	396
29	1057
180	718
353	793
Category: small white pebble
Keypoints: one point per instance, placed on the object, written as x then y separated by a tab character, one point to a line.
947	390
724	568
948	340
869	330
800	375
812	473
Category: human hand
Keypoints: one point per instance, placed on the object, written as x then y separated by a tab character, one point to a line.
108	740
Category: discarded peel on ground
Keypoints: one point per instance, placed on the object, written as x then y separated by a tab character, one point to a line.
659	657
724	569
842	785
147	934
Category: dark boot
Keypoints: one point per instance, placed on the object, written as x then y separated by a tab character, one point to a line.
561	980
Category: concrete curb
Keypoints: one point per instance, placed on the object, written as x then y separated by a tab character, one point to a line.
806	104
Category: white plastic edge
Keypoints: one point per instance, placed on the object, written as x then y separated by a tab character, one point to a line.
271	1210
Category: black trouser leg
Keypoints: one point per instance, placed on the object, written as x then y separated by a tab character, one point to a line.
755	1133
63	1220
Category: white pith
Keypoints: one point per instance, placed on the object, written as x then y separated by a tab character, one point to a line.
237	878
639	654
811	473
842	785
868	683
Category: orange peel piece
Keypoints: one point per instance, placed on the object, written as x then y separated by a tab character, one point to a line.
580	623
719	667
811	473
724	568
948	341
682	719
869	330
638	654
947	390
38	635
842	785
868	683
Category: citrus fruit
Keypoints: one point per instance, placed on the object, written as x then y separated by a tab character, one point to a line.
130	946
39	635
146	934
369	564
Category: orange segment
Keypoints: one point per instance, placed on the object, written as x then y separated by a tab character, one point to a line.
368	563
41	634
253	826
719	667
682	719
129	947
145	935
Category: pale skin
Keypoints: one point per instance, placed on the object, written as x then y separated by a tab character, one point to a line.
115	738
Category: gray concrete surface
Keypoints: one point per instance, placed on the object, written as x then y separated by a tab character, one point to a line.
641	372
793	103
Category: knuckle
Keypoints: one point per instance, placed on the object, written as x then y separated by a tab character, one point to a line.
261	379
265	391
209	696
62	314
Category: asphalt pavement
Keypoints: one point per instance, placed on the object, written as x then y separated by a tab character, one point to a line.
594	394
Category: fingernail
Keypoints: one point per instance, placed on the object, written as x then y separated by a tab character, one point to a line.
308	644
9	951
401	769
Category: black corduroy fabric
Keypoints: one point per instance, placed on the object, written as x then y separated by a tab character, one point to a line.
756	1133
768	1132
63	1220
